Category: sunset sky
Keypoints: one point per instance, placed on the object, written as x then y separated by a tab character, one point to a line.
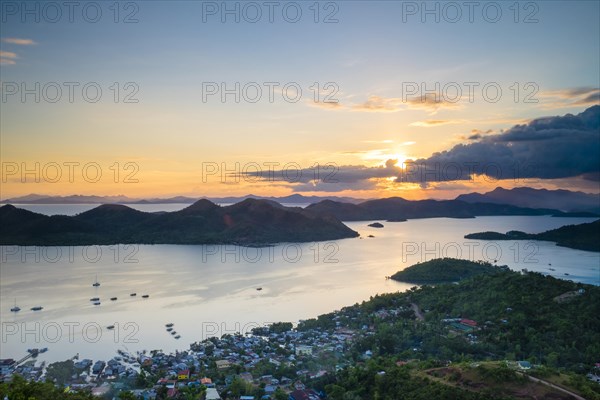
387	84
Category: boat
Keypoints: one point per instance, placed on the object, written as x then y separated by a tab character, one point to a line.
170	324
16	308
96	283
133	294
113	298
173	333
259	288
95	299
169	329
177	337
566	273
96	303
146	296
33	352
36	308
43	350
110	327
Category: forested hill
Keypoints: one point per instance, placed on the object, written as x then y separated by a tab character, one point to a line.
249	222
583	236
552	323
442	270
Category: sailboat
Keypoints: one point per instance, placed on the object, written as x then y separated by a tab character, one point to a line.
96	284
16	308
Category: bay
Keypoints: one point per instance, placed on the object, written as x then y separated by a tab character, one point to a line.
213	290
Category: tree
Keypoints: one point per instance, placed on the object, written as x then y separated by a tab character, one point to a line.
127	395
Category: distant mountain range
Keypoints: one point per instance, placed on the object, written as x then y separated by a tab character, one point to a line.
399	209
582	236
250	222
121	199
563	200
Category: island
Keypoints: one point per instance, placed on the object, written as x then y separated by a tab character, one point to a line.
444	270
250	223
581	237
399	209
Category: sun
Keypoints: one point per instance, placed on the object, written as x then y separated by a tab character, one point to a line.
399	157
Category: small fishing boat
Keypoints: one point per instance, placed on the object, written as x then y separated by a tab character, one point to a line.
259	289
170	324
16	308
113	299
146	296
177	337
133	294
169	329
96	283
96	303
36	308
95	299
110	327
173	333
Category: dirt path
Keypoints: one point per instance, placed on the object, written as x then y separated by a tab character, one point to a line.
553	386
418	313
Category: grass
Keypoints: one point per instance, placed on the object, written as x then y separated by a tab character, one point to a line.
494	378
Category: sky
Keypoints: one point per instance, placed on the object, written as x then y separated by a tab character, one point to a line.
347	98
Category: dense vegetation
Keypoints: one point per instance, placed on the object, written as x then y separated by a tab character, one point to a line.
20	389
520	316
444	270
582	236
248	222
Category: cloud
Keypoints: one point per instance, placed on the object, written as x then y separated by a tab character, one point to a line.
379	104
326	105
592	98
436	122
332	175
429	103
379	141
572	97
8	58
476	134
546	148
18	41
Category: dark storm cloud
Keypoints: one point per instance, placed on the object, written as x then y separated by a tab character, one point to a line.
545	148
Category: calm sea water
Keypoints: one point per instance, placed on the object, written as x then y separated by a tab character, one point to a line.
208	291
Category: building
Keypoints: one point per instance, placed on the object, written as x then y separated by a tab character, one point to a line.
207	382
183	374
304	395
303	350
6	366
468	322
524	365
